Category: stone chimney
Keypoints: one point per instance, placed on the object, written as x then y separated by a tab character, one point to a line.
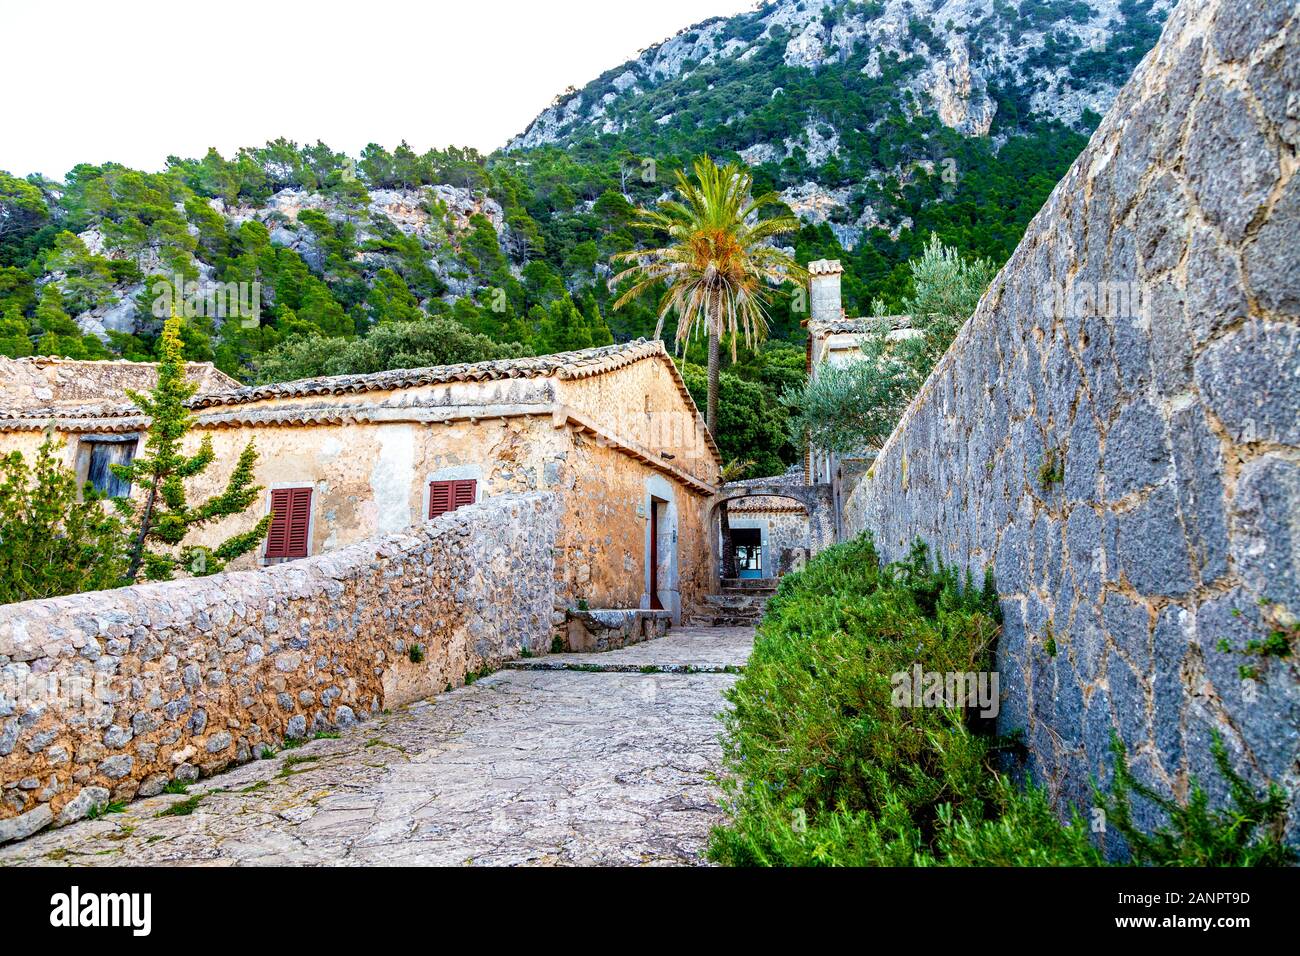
824	289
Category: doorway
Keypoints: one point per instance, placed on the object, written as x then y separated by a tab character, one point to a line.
748	543
658	507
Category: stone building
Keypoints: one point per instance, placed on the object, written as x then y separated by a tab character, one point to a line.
770	530
612	431
770	536
835	339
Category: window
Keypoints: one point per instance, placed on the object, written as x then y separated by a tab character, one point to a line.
290	523
94	455
447	496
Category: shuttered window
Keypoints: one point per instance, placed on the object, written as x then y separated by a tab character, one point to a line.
290	522
447	496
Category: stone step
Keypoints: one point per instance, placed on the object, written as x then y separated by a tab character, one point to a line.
749	584
726	599
597	629
725	617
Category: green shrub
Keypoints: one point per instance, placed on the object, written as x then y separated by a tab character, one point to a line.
1249	833
824	770
55	537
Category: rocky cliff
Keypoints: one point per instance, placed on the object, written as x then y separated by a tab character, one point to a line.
959	51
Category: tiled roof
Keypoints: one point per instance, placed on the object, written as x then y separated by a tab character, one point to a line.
859	325
766	505
565	365
583	363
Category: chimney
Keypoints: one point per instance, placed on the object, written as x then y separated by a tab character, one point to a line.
824	289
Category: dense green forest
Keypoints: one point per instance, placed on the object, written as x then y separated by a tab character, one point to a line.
362	264
538	287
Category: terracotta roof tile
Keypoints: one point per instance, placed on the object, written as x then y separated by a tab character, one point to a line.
583	363
859	325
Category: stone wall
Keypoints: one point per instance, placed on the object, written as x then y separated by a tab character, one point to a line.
1117	429
43	380
368	458
113	694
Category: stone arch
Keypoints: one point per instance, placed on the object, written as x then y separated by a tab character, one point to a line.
818	502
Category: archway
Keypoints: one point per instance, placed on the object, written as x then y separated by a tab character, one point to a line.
793	521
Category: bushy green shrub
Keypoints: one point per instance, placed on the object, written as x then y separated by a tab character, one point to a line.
55	537
822	769
826	770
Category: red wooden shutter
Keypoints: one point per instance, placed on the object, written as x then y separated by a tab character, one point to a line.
299	522
440	497
464	494
447	496
278	537
290	522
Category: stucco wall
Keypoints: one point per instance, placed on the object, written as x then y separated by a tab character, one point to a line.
604	530
369	459
1172	525
117	692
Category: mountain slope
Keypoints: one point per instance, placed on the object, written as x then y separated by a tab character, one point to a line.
879	122
963	60
831	98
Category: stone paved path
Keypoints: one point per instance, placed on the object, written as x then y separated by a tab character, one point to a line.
526	766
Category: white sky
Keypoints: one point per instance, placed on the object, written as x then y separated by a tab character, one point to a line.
133	81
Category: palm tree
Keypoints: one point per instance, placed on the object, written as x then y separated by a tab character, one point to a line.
717	265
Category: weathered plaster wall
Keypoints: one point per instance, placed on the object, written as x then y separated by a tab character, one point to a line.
604	528
646	403
1174	524
115	693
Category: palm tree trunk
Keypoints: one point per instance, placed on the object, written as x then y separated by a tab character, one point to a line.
715	370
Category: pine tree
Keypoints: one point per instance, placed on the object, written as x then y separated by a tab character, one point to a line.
165	517
59	332
14	340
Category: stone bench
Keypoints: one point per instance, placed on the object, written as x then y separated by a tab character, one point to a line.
608	629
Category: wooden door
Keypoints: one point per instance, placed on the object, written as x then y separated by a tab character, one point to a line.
655	603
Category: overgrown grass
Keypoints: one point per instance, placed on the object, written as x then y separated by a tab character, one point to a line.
823	769
103	809
183	808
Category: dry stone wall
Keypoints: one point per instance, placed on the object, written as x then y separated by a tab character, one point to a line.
1117	429
113	694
